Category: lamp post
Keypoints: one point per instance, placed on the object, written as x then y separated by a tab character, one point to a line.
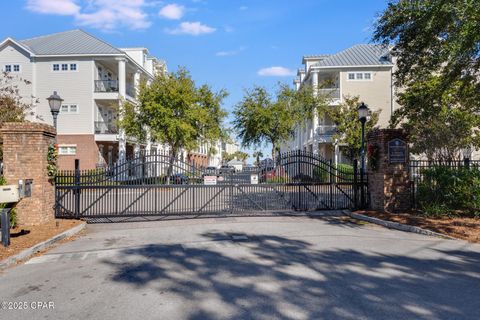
362	116
55	103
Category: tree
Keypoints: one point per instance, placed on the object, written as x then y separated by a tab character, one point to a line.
349	128
239	155
176	112
12	107
263	119
257	155
436	44
226	157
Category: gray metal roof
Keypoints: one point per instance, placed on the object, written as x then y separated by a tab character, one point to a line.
69	43
358	55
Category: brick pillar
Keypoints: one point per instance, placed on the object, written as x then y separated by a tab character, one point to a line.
389	181
25	148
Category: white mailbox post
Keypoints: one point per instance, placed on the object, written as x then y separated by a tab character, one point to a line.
10	194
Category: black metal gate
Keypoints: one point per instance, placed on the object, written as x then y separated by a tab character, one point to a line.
155	184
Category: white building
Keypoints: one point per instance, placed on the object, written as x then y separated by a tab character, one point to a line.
92	77
363	70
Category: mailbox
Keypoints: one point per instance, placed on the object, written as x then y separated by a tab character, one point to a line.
9	194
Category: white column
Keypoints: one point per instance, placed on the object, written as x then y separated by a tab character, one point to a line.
315	113
122	144
296	82
136	83
148	149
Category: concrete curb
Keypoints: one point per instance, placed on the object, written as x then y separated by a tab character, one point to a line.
40	246
396	225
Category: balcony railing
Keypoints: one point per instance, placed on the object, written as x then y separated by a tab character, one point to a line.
330	93
326	130
106	86
102	127
131	90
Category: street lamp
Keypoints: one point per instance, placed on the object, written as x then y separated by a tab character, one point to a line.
55	103
362	116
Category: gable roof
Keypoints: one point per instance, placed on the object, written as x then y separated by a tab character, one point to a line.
73	42
358	55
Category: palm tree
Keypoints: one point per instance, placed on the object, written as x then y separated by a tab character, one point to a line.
257	155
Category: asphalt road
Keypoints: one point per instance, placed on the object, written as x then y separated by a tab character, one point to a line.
247	268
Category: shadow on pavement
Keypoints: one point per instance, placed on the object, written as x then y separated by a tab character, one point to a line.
265	277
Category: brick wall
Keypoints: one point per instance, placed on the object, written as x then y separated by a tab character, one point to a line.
388	184
87	151
25	148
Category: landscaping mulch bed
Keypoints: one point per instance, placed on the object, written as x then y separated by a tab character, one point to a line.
24	237
461	228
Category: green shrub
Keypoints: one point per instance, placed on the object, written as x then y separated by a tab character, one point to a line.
13	212
343	171
449	191
277	179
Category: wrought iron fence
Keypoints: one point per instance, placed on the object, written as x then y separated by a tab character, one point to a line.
418	168
157	183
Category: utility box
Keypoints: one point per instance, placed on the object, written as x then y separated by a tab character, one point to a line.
9	194
25	188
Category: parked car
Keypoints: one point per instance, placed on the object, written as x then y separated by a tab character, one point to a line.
226	169
179	178
271	174
210	171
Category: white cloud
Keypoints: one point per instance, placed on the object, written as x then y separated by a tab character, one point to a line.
60	7
275	72
229	53
191	28
106	15
172	11
243	8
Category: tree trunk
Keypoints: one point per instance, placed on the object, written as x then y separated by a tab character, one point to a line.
171	161
274	151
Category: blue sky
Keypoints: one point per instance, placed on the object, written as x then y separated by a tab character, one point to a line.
225	43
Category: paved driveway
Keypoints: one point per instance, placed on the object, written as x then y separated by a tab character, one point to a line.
248	268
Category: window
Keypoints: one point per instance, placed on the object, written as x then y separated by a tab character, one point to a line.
64	67
73	67
12	68
67	150
56	67
69	108
359	76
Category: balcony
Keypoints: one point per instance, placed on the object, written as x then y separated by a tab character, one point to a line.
324	133
130	90
106	86
330	93
326	130
102	127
